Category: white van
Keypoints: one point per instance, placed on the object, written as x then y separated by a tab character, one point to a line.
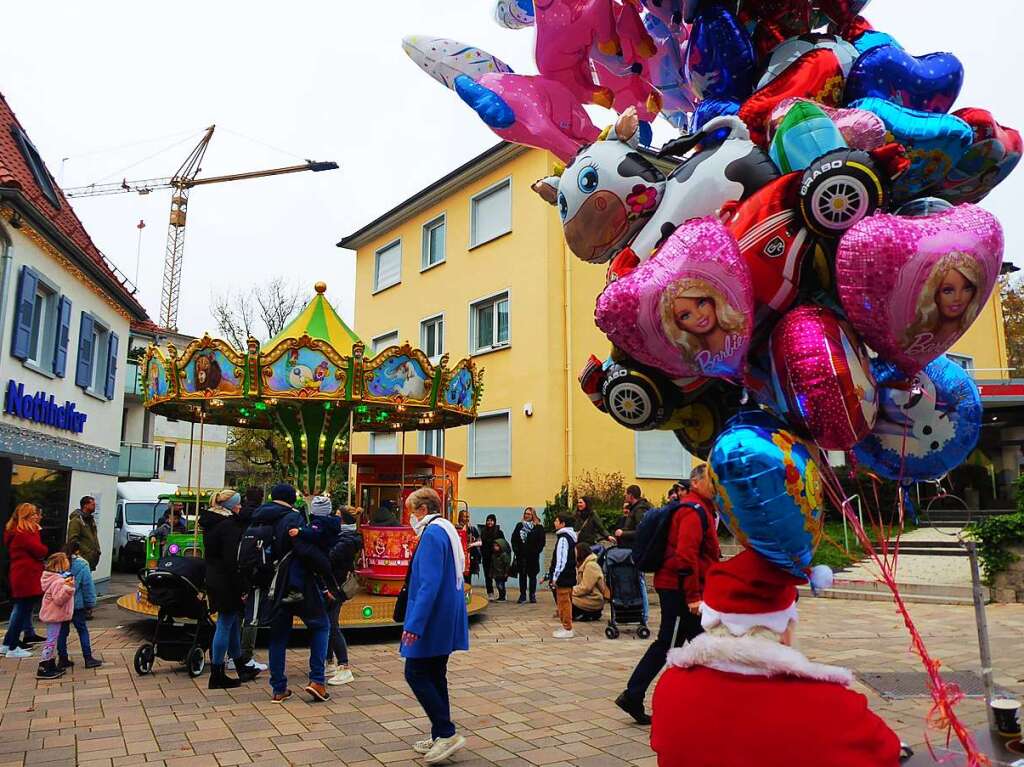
139	510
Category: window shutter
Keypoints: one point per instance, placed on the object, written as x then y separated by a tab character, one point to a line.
660	456
389	266
60	351
112	344
83	365
23	311
492	214
490	446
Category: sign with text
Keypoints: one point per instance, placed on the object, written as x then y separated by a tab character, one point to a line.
42	408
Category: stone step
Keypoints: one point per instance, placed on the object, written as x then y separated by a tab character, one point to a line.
871	596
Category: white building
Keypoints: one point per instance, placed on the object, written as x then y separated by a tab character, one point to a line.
65	313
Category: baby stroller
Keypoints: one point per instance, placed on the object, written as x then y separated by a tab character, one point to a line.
627	603
175	585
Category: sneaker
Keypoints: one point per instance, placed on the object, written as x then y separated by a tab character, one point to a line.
32	638
443	748
331	669
341	676
317	692
423	746
4	649
533	600
501	599
48	670
281	697
563	634
521	601
93	662
253	663
633	708
17	652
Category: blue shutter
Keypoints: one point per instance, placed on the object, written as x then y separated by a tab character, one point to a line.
108	390
60	350
23	311
83	367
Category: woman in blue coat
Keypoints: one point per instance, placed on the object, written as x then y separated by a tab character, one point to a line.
436	623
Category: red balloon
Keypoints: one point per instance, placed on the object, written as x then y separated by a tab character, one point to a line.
775	21
816	75
822	377
993	155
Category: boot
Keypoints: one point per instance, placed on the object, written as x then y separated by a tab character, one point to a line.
65	663
245	672
219	680
48	670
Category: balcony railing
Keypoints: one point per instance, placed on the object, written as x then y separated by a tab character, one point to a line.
139	461
132	384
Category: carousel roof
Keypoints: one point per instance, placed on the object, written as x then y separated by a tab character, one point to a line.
318	320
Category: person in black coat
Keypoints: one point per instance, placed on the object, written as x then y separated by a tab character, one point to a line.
633	511
223	526
527	544
588	525
489	533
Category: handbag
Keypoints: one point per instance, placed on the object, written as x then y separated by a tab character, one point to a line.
402	600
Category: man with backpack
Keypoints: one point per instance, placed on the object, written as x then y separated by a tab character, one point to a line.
294	588
679	543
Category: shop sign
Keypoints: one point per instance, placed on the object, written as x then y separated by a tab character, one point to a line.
42	408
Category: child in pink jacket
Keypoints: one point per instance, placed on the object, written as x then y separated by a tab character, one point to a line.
57	609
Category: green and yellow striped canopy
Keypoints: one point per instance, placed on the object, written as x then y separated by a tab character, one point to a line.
318	320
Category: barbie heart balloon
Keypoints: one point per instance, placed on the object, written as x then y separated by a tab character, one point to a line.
929	83
861	129
816	75
993	155
822	377
686	310
912	286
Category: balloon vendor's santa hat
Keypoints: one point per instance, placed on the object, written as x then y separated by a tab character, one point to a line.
747	592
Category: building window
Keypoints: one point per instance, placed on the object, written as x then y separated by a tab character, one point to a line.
433	243
488	323
660	456
96	369
41	320
383	443
490	446
36	165
963	360
491	213
431	442
432	337
383	341
387	266
169	456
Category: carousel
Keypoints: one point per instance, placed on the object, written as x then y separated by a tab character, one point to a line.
314	387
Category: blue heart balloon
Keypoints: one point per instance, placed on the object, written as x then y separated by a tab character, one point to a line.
768	490
720	60
708	110
938	420
929	83
934	143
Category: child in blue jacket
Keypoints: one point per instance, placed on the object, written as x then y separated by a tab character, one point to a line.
85	600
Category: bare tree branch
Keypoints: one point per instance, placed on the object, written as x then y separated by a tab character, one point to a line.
262	310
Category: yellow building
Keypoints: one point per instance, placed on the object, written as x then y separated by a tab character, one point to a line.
476	264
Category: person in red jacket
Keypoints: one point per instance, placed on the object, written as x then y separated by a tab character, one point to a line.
740	694
691	548
26	553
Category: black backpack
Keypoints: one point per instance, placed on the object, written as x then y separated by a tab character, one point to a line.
652	535
256	559
343	553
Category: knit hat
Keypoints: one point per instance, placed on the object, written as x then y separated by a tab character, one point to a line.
283	492
748	591
232	502
321	506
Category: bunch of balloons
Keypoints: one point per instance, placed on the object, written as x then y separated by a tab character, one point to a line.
784	278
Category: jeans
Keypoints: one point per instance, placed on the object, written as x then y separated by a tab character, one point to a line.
78	620
315	618
527	586
646	599
20	621
53	632
563	601
227	638
336	645
672	607
428	680
500	583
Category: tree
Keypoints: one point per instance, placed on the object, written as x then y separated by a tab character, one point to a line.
261	311
1012	294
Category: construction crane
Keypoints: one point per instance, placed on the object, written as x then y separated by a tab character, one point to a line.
182	182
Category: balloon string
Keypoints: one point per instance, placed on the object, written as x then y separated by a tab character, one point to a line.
945	696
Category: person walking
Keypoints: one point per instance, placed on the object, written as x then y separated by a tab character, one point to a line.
436	623
223	525
251	501
562	573
527	544
58	587
295	576
690	550
85	599
488	534
590	591
26	554
82	530
588	525
501	560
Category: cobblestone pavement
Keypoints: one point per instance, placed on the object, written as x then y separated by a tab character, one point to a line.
521	697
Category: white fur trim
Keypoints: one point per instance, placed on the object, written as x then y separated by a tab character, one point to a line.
740	623
754	656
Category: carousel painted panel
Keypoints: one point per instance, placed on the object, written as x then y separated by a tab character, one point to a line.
305	371
156	380
399	374
387	552
210	368
461	389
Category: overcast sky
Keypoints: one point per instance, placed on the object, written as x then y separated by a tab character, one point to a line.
325	81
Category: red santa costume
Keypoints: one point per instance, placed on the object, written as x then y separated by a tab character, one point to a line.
737	696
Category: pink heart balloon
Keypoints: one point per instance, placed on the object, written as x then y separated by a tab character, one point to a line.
686	310
912	286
